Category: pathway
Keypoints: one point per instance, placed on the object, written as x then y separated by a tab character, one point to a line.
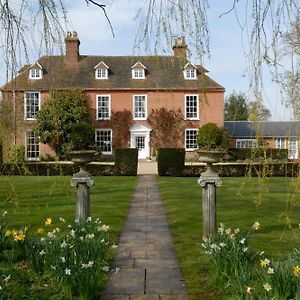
146	256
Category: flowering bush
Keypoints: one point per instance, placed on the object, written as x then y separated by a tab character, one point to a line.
252	275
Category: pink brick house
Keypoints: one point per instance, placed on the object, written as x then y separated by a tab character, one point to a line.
114	83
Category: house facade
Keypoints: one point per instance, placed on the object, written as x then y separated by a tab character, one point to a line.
138	84
276	135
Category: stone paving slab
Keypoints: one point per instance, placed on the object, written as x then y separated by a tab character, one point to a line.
146	255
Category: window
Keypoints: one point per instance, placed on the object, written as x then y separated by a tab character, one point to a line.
138	73
31	105
192	107
293	148
32	146
101	73
190	74
280	143
103	107
140	107
103	139
35	73
190	139
246	143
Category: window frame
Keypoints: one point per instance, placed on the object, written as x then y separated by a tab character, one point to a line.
187	74
111	139
145	107
185	139
97	107
280	143
293	148
136	72
33	72
103	71
26	105
28	146
197	108
247	143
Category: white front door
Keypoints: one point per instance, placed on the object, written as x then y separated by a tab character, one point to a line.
140	139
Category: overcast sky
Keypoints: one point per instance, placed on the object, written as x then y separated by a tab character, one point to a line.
227	64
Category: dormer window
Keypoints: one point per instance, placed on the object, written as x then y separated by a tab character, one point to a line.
138	71
36	71
101	70
190	71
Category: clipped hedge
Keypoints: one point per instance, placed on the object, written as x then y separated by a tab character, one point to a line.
170	161
248	153
1	153
126	161
286	169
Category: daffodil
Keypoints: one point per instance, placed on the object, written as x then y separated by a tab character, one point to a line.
267	287
40	230
20	237
270	271
264	262
8	233
249	289
256	226
48	221
296	271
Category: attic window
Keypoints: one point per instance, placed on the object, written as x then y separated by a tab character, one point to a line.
35	73
101	70
190	71
138	71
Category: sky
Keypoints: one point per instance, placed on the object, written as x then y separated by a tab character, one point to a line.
227	63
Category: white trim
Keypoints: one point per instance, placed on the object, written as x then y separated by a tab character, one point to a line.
26	144
101	63
109	107
25	104
38	74
293	153
185	74
101	77
138	63
185	107
140	75
247	142
111	138
145	104
277	144
185	131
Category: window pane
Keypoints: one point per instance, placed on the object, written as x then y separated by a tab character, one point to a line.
32	146
31	104
139	107
103	140
191	107
103	107
191	139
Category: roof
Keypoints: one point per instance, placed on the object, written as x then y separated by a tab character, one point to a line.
248	129
163	73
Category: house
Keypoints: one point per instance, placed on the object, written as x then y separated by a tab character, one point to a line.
139	84
276	135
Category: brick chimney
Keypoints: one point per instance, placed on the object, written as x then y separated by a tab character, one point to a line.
179	47
72	48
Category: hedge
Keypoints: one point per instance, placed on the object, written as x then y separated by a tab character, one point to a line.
1	153
126	161
286	169
170	161
248	153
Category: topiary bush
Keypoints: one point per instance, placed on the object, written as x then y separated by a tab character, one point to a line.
170	161
210	136
126	161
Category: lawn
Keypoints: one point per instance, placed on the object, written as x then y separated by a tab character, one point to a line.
31	200
274	202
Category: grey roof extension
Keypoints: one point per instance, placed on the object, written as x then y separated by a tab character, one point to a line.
247	129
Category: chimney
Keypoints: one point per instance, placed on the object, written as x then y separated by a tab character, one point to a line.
72	48
179	47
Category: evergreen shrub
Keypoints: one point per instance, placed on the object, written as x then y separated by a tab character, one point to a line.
126	161
170	161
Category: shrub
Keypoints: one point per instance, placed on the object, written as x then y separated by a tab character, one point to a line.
170	161
256	153
210	136
126	161
16	154
1	153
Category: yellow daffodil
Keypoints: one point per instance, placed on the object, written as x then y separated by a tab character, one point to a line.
48	221
256	226
20	236
264	262
14	232
40	230
296	271
270	271
8	233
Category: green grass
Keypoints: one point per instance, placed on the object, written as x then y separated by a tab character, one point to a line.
30	200
274	202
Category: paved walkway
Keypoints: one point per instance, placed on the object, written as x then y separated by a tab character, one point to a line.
147	167
146	256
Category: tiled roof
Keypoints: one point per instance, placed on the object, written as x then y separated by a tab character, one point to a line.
247	129
162	73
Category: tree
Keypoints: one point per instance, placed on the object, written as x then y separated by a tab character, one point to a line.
236	108
63	122
258	112
167	127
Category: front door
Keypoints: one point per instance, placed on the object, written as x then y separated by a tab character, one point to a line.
140	143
